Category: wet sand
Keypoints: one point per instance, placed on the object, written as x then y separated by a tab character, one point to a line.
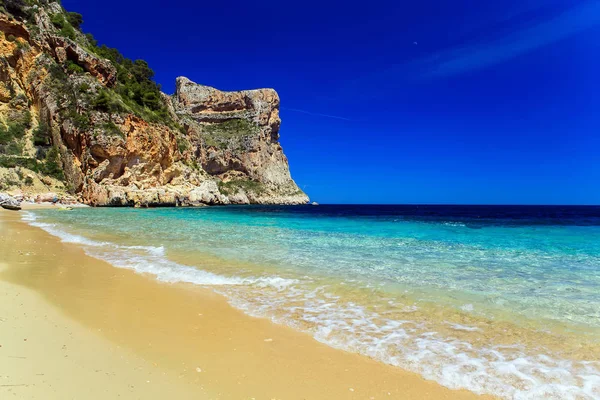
72	326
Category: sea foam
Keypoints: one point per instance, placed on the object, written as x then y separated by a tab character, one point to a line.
150	260
509	372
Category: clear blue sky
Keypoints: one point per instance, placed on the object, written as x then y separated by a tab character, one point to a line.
491	102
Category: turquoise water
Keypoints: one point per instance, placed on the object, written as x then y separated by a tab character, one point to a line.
503	301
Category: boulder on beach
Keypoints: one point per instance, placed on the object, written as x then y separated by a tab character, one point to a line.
49	197
9	203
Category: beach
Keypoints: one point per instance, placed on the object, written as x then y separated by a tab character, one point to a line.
74	326
157	241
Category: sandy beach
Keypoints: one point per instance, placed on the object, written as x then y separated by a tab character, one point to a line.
76	327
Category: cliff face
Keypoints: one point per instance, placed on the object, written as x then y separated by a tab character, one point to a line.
235	136
83	115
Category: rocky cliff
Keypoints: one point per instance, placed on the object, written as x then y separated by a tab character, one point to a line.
80	117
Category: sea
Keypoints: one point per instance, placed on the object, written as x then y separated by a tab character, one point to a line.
501	300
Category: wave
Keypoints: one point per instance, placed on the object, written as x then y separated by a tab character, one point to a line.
457	224
510	372
505	371
151	260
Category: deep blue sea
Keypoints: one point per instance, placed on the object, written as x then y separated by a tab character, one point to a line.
495	299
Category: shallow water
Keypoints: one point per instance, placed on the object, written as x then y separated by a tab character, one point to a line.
499	300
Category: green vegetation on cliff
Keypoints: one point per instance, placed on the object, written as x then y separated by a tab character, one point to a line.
234	186
52	165
135	84
49	165
229	132
66	29
42	135
11	135
135	90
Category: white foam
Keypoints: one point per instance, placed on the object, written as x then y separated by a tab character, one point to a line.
154	250
65	236
459	327
467	307
454	224
28	216
504	371
152	260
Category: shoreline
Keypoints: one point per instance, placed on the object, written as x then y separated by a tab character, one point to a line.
187	332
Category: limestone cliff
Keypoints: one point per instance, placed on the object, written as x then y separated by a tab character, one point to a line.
76	114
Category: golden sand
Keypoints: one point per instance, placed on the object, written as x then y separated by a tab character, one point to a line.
72	326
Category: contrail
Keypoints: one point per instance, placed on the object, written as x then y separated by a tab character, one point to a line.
575	20
316	114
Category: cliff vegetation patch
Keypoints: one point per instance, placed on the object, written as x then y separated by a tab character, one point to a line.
229	133
234	186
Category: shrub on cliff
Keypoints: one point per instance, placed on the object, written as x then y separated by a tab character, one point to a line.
5	138
80	121
182	145
68	32
75	19
14	149
106	103
90	38
111	129
18	8
234	186
52	165
66	29
14	130
135	80
151	99
74	68
25	162
22	118
57	20
41	135
232	128
83	88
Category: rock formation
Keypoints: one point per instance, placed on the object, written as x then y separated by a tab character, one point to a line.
8	201
83	115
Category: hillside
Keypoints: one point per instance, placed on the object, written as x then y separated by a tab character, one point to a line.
80	118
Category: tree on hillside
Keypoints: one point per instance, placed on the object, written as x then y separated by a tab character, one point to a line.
75	19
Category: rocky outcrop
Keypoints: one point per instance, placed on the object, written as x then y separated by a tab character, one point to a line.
236	138
65	49
6	200
211	147
14	28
